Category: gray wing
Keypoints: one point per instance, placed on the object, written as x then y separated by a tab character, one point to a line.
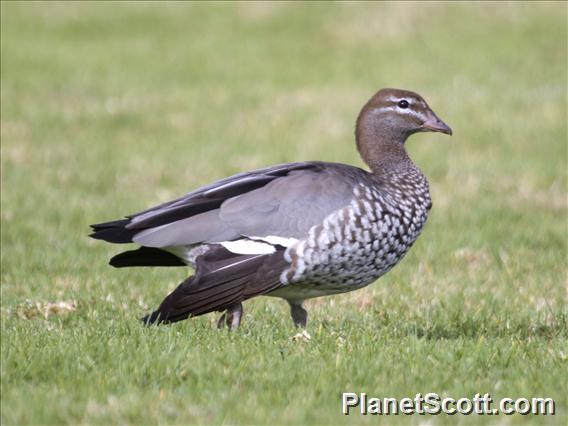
284	201
200	201
287	207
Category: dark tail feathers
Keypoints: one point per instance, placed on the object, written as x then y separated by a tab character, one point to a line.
146	256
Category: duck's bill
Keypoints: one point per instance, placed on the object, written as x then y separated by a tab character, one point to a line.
437	125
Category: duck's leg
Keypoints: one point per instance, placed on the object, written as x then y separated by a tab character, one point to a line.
299	314
231	317
221	321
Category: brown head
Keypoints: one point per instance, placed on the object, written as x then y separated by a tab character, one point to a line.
387	120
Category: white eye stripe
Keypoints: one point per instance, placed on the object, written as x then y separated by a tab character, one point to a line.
396	100
406	111
411	101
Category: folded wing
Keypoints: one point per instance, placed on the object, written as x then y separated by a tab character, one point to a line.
273	204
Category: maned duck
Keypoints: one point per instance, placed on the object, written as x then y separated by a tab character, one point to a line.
295	231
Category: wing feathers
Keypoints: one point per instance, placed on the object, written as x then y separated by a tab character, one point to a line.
203	227
231	189
113	232
222	279
195	203
192	208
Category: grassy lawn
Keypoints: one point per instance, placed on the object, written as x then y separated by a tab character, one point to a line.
110	108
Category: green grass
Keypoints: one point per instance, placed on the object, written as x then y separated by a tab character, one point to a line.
110	108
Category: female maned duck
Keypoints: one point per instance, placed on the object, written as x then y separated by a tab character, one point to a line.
297	230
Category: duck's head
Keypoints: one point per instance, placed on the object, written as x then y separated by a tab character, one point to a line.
388	119
402	112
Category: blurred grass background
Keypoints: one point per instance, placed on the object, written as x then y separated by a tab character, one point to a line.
108	108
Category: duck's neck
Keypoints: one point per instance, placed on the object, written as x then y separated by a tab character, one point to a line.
382	149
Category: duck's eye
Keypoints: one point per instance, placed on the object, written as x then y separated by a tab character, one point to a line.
403	104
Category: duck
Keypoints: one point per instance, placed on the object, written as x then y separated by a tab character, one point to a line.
296	230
